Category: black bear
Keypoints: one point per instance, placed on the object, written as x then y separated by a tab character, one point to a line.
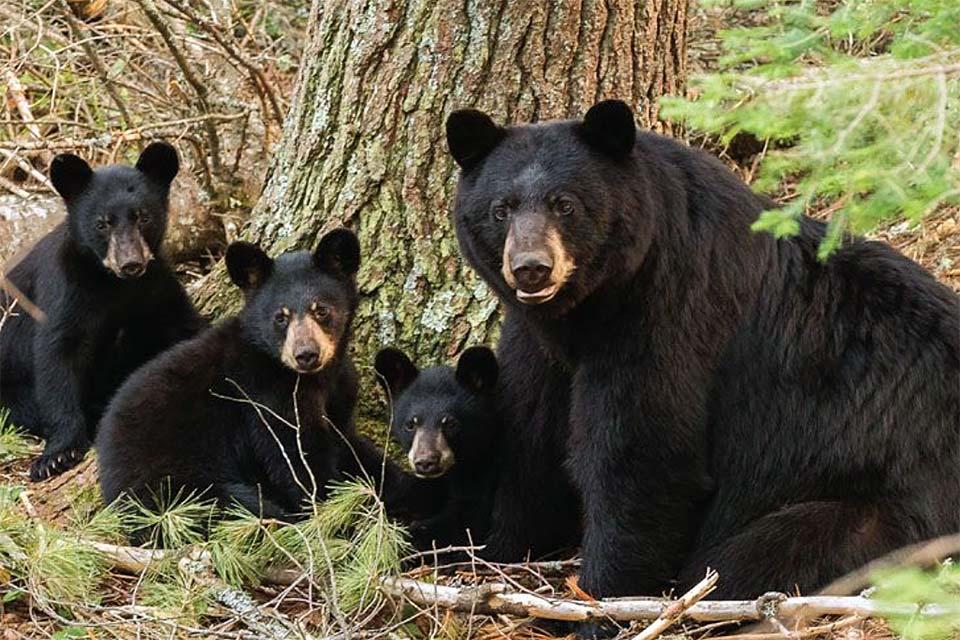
254	410
717	397
446	420
110	302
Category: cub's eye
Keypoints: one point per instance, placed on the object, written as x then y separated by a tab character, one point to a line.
280	318
411	424
500	212
143	219
102	224
322	312
448	422
565	206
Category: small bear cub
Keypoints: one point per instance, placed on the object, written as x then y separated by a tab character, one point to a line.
109	299
247	413
448	423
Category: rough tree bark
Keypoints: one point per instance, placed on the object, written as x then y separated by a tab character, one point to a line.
364	143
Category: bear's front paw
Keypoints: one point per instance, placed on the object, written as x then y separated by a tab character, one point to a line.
53	463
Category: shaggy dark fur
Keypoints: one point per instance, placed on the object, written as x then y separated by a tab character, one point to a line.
716	396
187	422
447	422
111	303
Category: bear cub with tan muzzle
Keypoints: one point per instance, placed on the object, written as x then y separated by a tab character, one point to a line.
447	421
255	411
92	301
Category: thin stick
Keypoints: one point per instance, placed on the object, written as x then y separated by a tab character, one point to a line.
676	610
23	301
79	32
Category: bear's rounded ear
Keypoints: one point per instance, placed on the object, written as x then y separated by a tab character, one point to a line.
477	369
471	136
609	126
248	265
395	370
338	253
70	175
159	162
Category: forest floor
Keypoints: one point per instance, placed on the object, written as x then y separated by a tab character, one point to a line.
63	96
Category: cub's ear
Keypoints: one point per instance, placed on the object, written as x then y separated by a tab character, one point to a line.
338	253
477	369
70	175
471	136
609	126
159	162
248	265
395	370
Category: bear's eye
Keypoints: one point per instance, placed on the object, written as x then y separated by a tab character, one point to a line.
102	224
412	423
322	312
500	212
565	206
280	318
143	219
448	422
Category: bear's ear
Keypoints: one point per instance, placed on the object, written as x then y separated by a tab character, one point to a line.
609	126
471	136
159	162
395	370
70	175
477	369
248	265
338	253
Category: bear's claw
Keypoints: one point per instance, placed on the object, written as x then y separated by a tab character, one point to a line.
53	464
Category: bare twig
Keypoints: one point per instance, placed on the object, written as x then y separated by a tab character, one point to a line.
80	33
922	554
213	138
677	609
23	301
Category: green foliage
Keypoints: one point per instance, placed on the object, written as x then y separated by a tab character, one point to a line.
14	444
178	520
858	102
912	585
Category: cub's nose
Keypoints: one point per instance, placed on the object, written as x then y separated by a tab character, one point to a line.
428	465
308	358
532	271
132	269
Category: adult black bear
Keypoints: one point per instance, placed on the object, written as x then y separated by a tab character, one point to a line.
111	303
733	401
447	422
248	411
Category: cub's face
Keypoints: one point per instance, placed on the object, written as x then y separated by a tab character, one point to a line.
118	213
540	208
440	416
299	306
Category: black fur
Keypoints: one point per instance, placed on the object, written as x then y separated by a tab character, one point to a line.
57	376
721	398
459	404
185	422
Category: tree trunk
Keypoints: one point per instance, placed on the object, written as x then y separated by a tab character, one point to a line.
364	142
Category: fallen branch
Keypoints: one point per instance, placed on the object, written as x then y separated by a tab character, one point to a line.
495	598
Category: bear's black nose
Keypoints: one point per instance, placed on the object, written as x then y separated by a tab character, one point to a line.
132	269
532	271
428	465
308	359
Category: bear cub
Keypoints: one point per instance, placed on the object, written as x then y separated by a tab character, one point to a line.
252	412
447	422
108	301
